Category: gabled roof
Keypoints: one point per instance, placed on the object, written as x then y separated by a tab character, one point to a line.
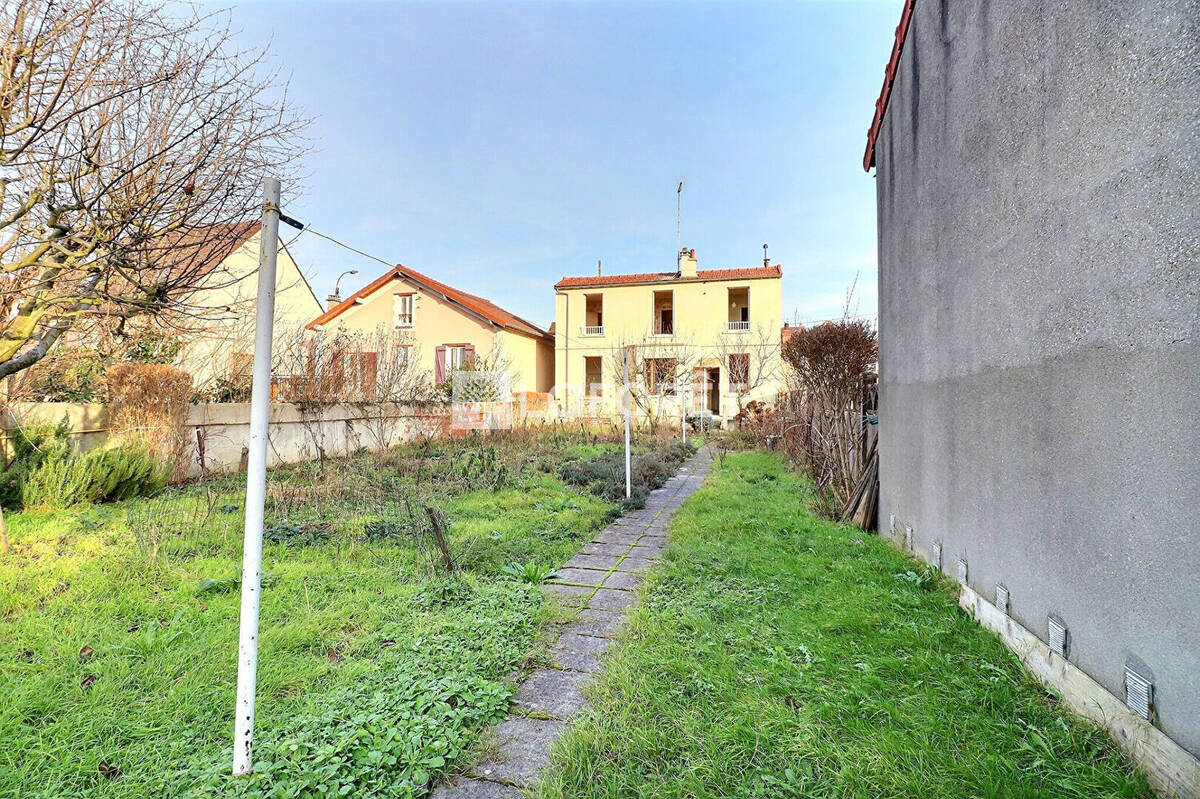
477	306
599	281
889	77
200	250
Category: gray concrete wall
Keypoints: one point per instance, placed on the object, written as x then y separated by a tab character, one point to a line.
1038	177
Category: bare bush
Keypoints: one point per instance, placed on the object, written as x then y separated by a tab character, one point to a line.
150	402
659	376
822	419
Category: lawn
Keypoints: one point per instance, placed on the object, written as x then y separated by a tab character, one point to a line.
774	654
118	623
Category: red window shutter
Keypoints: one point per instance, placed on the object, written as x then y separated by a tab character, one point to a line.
469	354
370	374
439	364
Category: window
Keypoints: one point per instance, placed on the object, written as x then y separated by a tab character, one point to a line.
659	374
664	313
593	322
739	370
404	310
739	309
456	356
592	376
403	354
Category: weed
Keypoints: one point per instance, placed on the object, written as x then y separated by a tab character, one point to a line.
529	572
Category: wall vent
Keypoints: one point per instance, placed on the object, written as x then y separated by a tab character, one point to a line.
961	568
892	523
935	554
908	538
1002	598
1059	638
1139	693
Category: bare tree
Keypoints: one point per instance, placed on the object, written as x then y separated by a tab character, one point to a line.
753	363
658	371
132	138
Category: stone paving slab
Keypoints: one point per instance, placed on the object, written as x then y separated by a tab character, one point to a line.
624	580
602	562
612	561
524	750
593	548
554	692
467	788
569	594
602	623
608	536
611	599
591	577
632	564
579	652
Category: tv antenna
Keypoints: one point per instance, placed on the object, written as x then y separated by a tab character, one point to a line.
678	208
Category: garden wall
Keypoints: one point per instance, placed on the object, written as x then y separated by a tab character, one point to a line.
217	433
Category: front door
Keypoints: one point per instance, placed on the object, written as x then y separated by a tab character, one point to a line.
714	391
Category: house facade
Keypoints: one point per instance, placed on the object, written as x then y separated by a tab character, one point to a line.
442	328
697	341
1037	192
218	345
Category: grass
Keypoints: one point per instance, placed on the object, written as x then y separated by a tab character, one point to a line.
774	654
118	626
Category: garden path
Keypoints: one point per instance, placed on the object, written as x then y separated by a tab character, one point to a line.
600	582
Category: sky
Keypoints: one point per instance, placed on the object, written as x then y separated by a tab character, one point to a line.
500	146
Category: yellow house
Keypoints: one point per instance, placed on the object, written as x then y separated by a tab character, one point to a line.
218	345
445	327
695	341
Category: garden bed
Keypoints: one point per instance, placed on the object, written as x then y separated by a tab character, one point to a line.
118	622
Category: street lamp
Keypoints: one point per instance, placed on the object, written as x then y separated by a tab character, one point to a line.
336	296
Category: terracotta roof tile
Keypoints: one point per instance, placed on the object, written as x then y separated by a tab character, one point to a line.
598	281
478	305
889	77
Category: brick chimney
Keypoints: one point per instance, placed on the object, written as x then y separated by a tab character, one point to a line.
687	263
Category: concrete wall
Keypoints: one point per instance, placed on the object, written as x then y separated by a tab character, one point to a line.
1038	177
224	429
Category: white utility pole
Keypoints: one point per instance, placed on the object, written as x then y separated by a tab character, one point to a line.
256	483
628	477
683	403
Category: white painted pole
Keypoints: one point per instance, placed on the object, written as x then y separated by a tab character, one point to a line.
683	403
256	483
628	476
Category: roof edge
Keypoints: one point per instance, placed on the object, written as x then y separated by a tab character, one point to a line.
765	273
889	77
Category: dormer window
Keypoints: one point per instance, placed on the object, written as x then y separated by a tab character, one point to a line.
404	310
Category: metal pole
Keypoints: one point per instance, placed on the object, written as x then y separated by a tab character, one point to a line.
683	403
256	483
628	477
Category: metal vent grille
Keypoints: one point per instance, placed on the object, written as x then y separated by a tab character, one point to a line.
1059	638
1002	598
935	553
1139	693
908	538
961	568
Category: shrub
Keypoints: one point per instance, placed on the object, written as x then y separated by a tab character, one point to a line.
64	478
152	399
32	445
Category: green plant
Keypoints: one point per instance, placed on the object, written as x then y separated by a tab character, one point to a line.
115	472
529	572
225	585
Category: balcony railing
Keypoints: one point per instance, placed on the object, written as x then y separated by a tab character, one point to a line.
593	330
737	327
